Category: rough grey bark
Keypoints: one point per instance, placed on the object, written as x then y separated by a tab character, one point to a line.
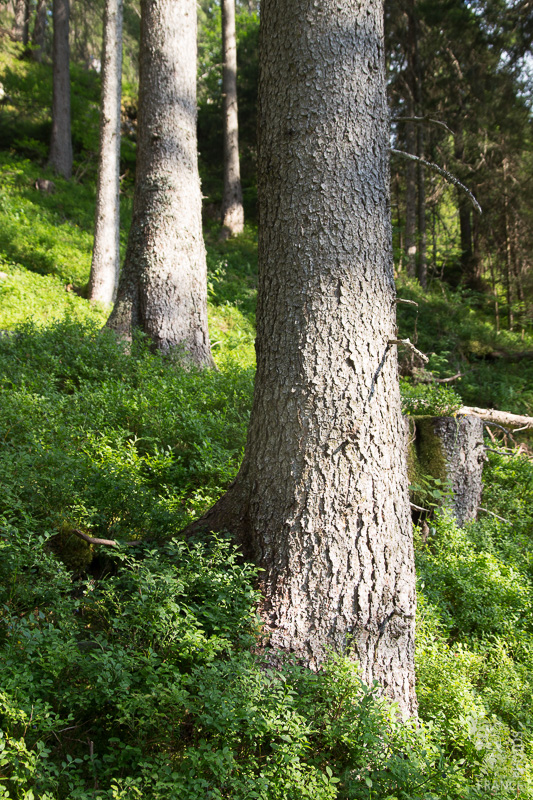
321	500
232	208
105	267
461	440
60	158
163	284
39	30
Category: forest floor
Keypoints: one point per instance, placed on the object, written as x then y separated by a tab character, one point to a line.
130	672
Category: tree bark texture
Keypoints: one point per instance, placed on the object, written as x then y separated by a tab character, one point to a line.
105	267
321	501
232	208
163	285
461	440
452	448
60	158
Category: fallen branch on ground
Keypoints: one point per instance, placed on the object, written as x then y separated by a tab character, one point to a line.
486	510
449	380
516	421
94	540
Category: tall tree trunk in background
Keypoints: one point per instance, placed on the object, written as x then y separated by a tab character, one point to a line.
60	158
495	295
18	25
410	196
411	46
422	225
105	265
232	208
469	252
163	284
39	30
26	24
321	499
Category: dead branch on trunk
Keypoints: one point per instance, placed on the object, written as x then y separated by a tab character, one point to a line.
427	119
444	172
410	345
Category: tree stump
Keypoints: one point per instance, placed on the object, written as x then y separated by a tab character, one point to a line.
451	448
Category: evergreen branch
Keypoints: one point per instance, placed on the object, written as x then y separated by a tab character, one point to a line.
445	174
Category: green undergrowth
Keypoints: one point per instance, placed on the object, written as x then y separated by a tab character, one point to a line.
456	330
132	671
475	624
48	233
135	671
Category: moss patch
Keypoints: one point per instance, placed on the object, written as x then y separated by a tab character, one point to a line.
425	456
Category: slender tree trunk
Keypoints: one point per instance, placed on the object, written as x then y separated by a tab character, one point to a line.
410	197
61	142
422	226
508	252
163	284
465	227
26	24
433	233
232	208
18	25
39	30
321	500
105	267
495	294
416	91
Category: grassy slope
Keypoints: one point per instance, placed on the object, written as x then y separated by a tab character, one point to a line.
146	653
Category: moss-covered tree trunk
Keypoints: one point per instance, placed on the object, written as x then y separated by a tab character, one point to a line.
451	449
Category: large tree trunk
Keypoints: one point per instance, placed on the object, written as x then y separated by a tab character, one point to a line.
105	265
321	501
232	208
163	285
61	142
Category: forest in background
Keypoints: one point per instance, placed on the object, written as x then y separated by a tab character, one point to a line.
131	672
